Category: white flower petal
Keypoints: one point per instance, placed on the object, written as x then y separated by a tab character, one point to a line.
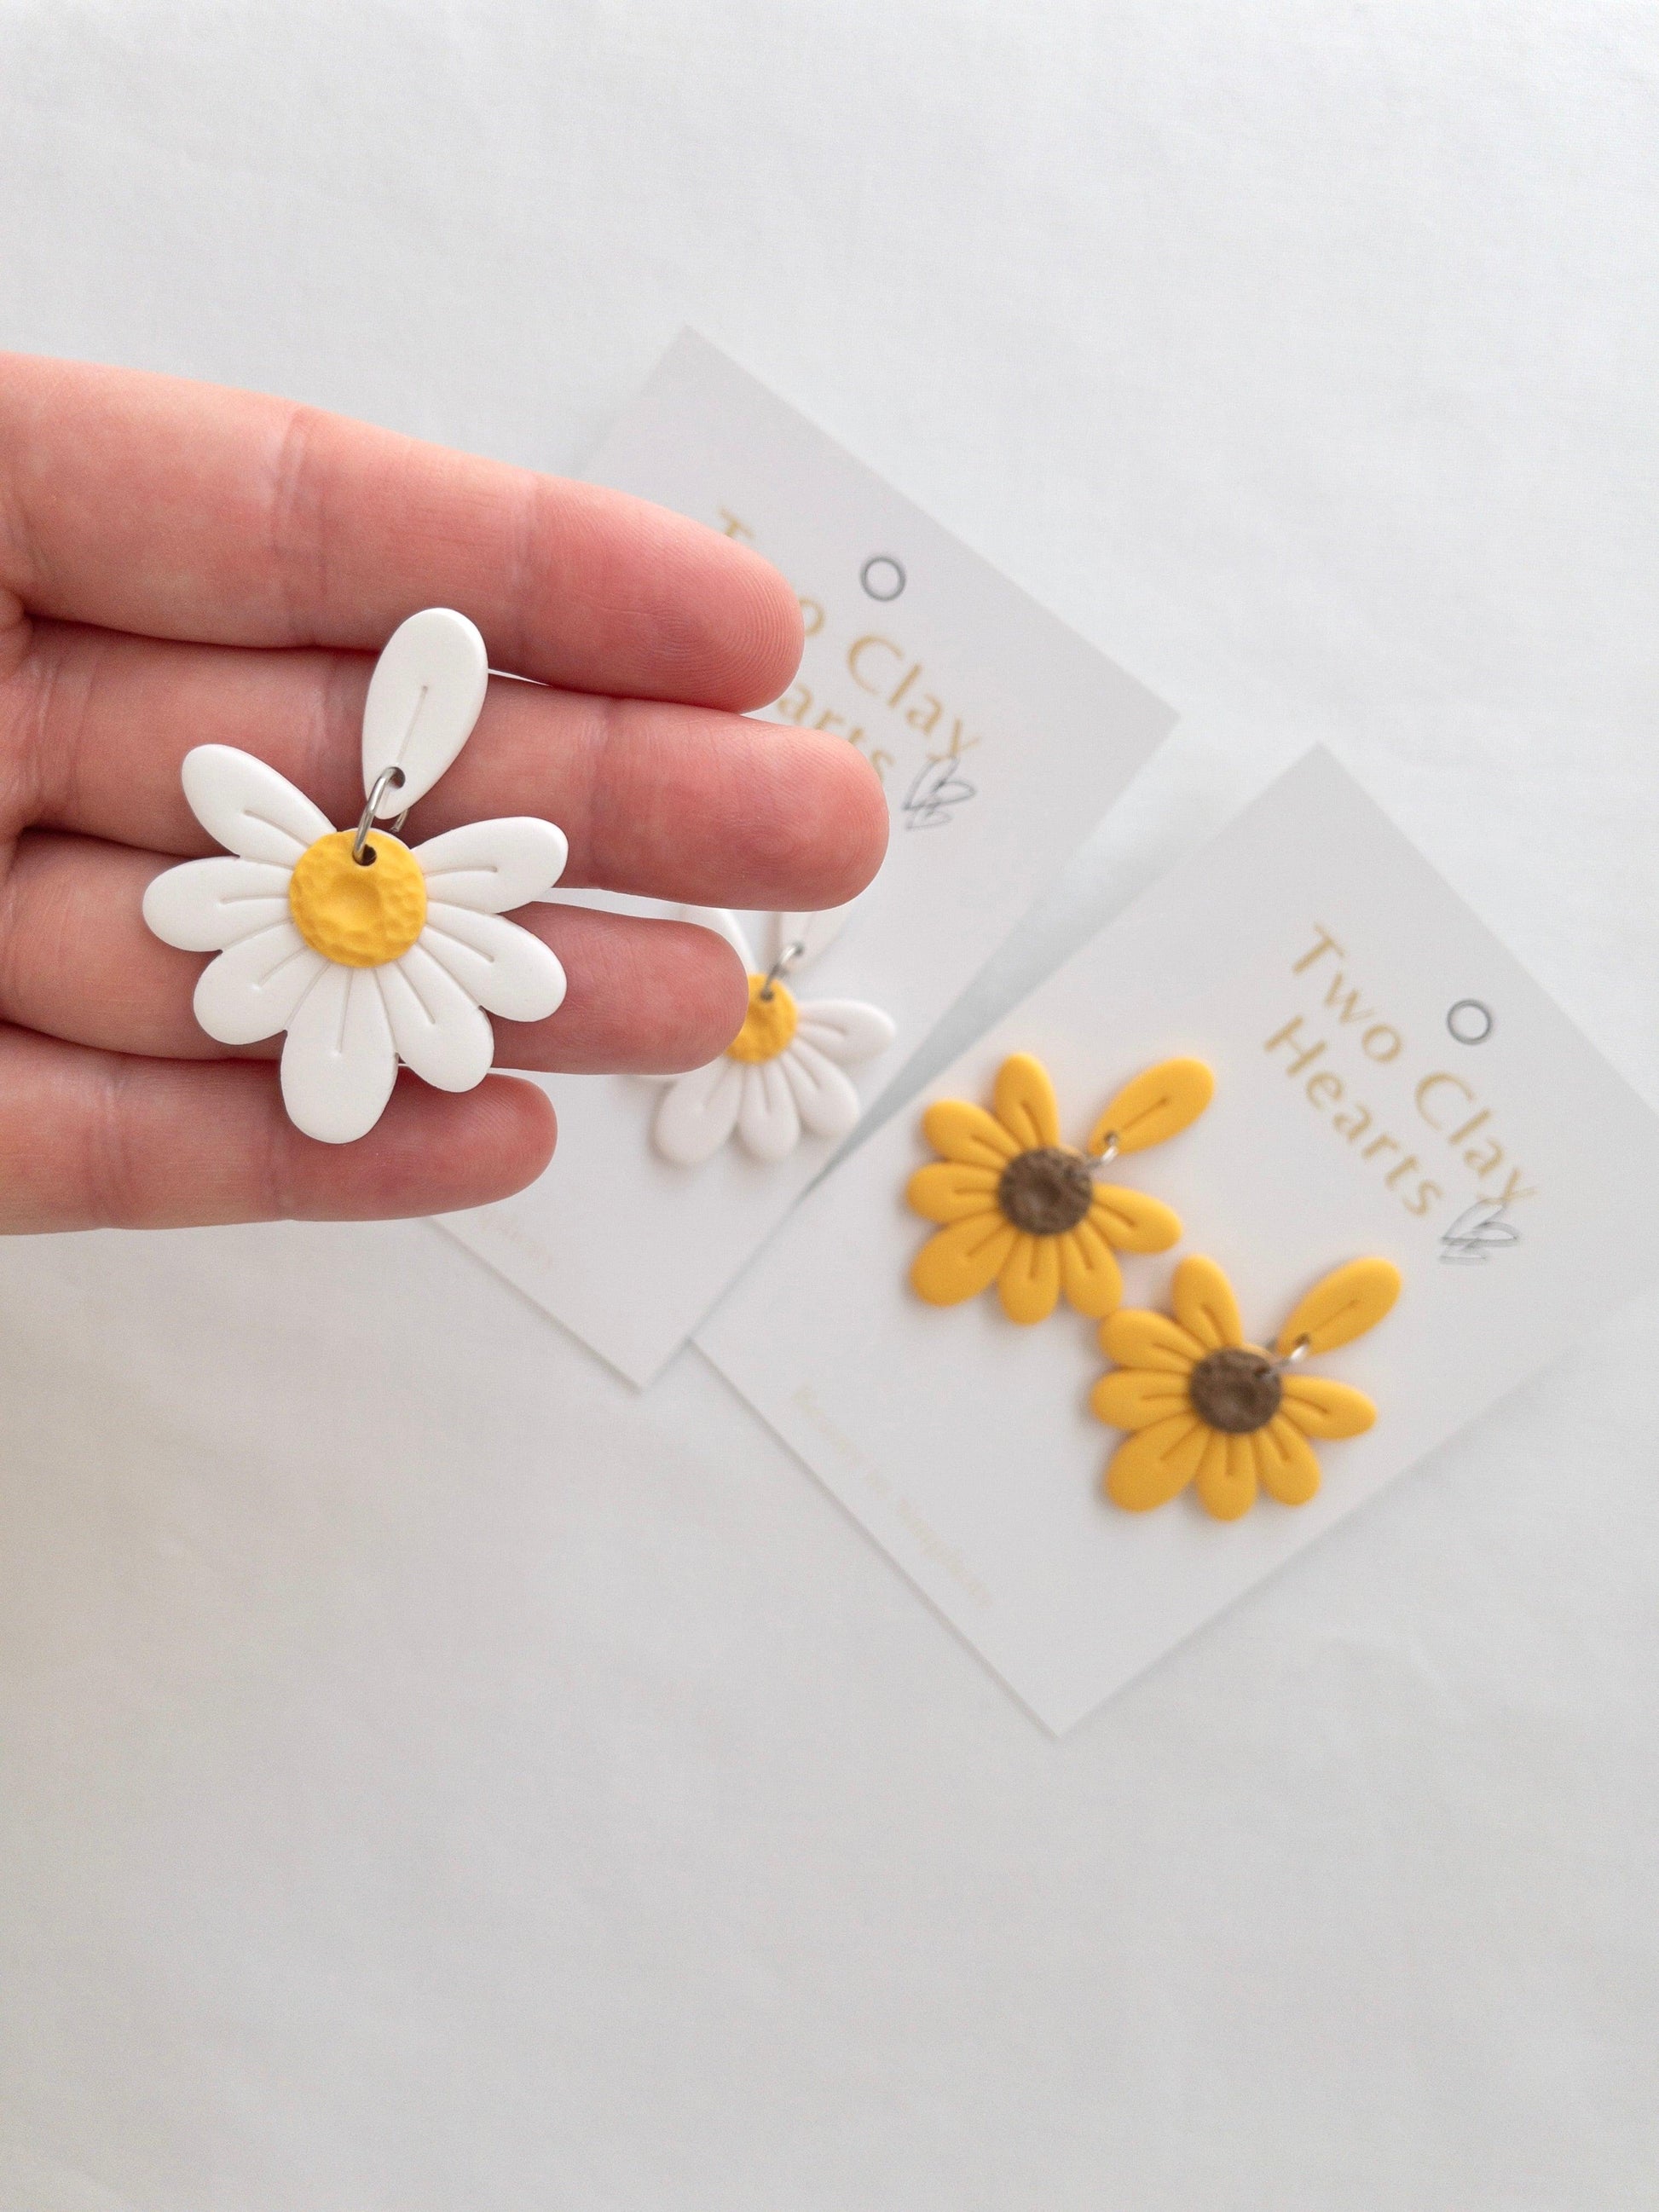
698	1112
493	866
502	967
248	807
769	1120
338	1064
829	1104
845	1029
206	905
437	1029
427	691
253	991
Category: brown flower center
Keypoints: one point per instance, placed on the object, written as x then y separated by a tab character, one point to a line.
1236	1390
1046	1191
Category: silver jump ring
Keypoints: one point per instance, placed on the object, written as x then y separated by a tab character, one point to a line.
1298	1351
388	778
791	954
1105	1156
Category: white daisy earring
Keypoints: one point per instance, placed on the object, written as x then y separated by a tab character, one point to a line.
365	952
783	1072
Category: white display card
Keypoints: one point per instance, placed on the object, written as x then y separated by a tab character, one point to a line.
1317	962
1000	737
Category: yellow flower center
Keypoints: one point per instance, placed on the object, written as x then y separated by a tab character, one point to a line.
767	1026
360	914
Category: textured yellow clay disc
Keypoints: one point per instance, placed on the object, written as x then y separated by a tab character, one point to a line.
767	1026
357	913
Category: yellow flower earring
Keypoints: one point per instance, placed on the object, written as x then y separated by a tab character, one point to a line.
1208	1408
1018	1207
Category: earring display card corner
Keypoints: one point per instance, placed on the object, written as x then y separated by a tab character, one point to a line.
1001	737
1389	1083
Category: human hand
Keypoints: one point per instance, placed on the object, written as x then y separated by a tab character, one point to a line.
182	565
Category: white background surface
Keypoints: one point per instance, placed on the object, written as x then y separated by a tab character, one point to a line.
432	1776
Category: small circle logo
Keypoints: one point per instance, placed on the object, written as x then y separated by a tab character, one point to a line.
1470	1021
882	577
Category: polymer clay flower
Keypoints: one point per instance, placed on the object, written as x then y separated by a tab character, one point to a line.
1206	1408
367	952
1019	1208
783	1073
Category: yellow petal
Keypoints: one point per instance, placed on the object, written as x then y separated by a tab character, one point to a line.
1349	1301
947	1191
1029	1282
1226	1476
1158	1104
968	1134
1089	1273
1135	1338
1135	1397
1133	1222
1025	1101
959	1261
1148	1469
1284	1461
1204	1303
1321	1408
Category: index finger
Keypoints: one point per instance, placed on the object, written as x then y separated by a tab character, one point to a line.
178	510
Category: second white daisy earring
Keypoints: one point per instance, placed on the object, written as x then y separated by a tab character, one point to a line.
367	952
783	1072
